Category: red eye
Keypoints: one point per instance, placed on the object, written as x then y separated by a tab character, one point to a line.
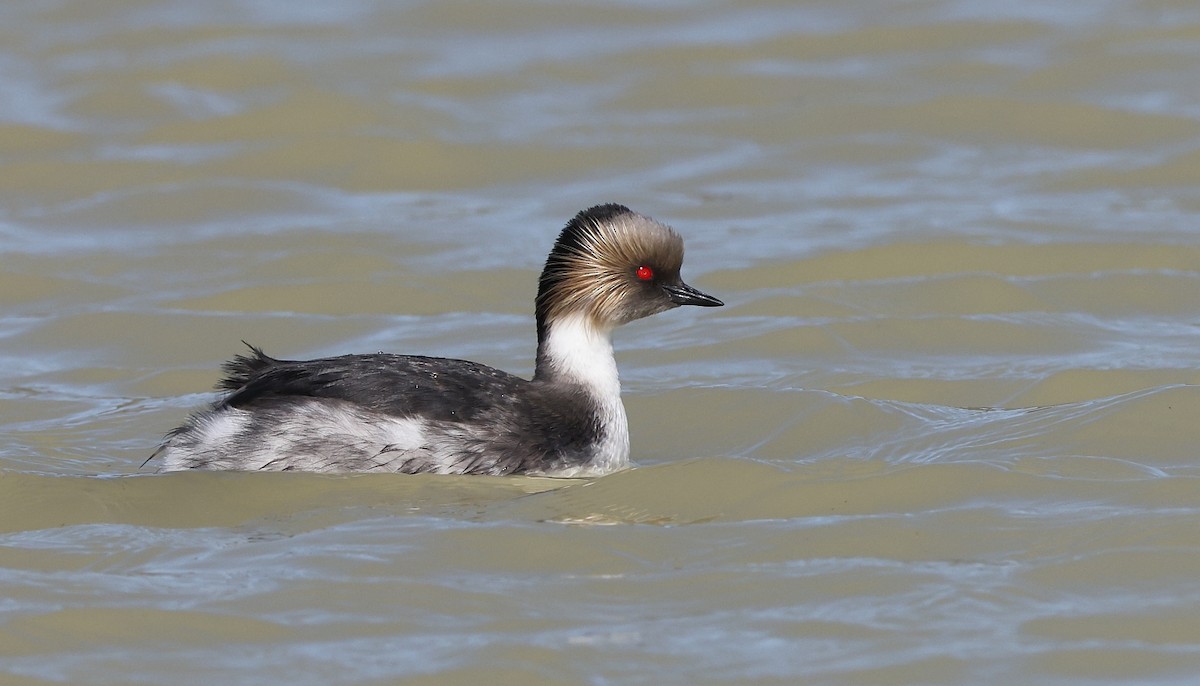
645	273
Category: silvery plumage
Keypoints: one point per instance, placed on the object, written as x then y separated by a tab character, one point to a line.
408	413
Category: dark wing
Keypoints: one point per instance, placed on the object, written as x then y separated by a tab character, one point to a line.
402	385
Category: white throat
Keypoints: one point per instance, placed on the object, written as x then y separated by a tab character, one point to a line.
580	352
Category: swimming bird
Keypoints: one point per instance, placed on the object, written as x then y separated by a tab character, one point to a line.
410	413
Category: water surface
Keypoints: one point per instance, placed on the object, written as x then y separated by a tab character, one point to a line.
943	432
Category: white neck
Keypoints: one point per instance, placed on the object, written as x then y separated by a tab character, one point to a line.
579	352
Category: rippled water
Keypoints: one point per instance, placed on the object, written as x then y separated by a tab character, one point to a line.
943	432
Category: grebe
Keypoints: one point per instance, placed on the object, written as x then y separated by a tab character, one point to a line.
410	414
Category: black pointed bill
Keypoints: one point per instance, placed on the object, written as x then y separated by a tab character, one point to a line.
683	294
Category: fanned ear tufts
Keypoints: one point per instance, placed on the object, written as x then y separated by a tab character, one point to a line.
591	266
242	368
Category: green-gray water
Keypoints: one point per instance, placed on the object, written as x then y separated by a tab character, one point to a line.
944	431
